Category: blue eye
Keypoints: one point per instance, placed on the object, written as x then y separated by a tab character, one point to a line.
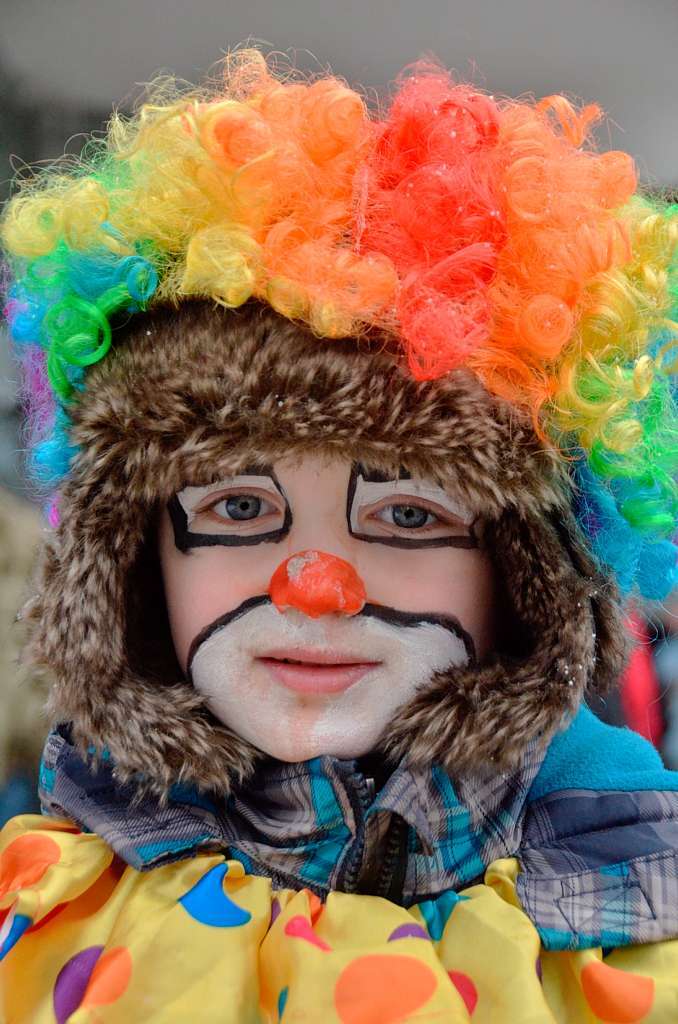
240	507
408	517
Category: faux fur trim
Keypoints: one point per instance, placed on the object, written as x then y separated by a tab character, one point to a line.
480	717
194	394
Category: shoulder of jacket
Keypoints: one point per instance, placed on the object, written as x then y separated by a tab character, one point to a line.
589	754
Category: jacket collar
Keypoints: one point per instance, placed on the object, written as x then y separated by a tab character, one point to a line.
320	824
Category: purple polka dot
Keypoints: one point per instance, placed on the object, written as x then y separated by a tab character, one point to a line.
538	967
72	981
408	931
275	911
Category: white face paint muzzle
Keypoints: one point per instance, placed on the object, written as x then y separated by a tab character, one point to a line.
244	663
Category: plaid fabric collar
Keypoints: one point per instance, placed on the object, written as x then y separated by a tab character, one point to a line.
316	824
598	856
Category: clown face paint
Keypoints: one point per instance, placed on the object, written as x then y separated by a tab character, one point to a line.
308	678
299	687
247	509
372	513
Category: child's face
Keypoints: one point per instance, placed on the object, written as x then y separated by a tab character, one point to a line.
392	587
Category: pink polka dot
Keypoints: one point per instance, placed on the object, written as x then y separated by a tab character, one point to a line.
299	928
465	988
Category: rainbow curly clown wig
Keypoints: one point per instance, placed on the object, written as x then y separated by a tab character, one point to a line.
475	231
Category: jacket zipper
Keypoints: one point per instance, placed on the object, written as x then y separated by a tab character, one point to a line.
349	878
392	876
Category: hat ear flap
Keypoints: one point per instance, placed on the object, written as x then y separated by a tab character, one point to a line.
485	715
156	731
612	637
80	615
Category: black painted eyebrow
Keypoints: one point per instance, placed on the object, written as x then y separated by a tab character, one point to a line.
378	476
185	539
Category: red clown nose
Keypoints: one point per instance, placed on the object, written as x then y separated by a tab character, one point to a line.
316	584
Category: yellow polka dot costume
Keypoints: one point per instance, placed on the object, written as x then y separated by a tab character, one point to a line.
203	941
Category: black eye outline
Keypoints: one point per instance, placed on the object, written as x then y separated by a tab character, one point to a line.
185	539
466	541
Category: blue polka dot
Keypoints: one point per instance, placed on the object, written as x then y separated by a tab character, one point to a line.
207	902
282	1002
17	928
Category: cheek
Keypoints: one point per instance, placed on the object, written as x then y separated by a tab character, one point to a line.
444	581
204	584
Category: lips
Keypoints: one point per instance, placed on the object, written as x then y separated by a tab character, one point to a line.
316	671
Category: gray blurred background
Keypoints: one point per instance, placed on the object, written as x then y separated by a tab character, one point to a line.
65	63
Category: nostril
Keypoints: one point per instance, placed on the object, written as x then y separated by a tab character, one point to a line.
317	583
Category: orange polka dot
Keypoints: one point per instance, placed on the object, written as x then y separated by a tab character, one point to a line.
615	996
315	905
381	989
465	988
109	979
26	860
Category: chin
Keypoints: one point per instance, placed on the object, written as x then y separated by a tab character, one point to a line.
343	747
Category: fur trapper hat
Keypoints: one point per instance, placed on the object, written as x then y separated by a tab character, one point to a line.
151	419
